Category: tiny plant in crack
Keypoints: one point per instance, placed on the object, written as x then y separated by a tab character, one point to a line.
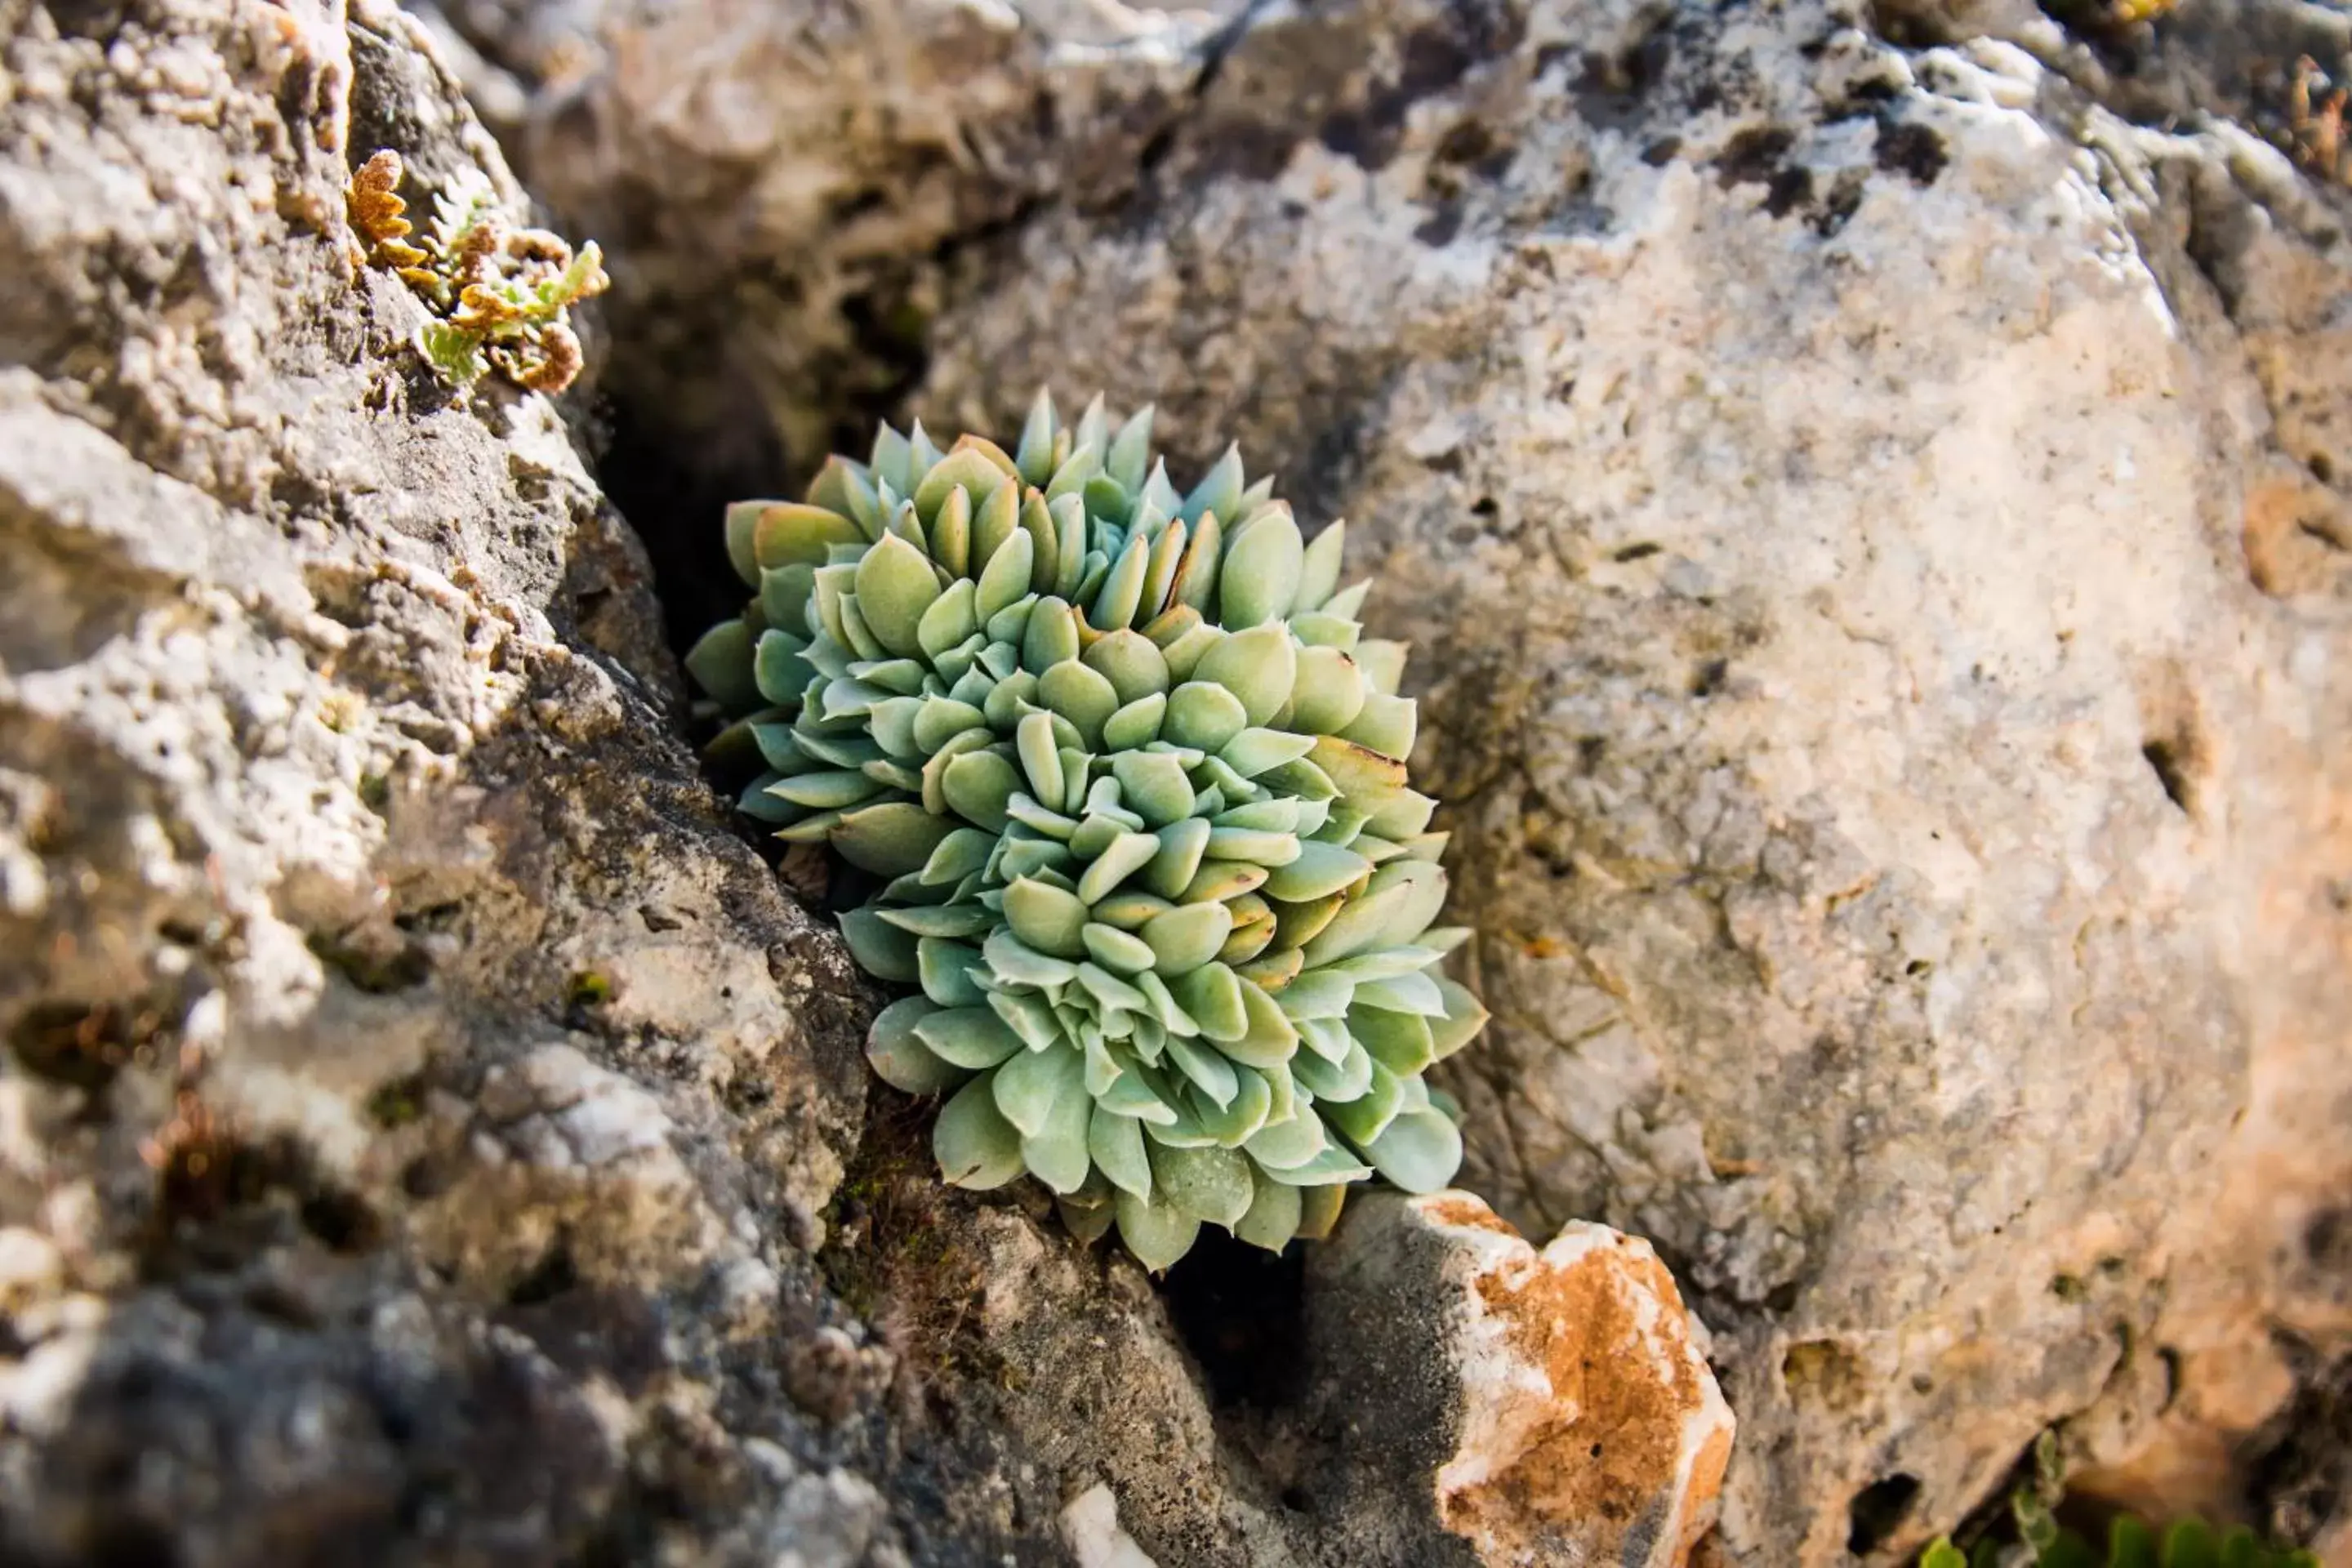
1130	782
500	294
2040	1540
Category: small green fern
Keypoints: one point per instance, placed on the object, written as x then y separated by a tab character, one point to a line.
2131	1543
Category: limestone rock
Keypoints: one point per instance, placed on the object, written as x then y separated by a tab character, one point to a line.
806	170
418	1103
429	1132
1091	1526
1870	519
1564	1393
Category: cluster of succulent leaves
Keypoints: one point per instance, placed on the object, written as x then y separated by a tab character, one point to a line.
500	294
2043	1543
1136	781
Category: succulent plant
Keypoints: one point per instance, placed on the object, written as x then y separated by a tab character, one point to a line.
501	295
1136	784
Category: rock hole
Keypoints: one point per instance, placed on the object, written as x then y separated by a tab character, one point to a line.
1753	156
342	1220
2165	758
1845	199
2325	1239
1877	1511
1913	149
1468	141
131	1543
82	1045
2321	469
675	500
372	967
1788	190
1242	1311
1642	551
549	1277
1707	679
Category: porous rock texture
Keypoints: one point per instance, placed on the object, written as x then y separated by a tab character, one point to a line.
421	1110
417	1103
782	177
429	1133
1868	491
1869	518
1561	1398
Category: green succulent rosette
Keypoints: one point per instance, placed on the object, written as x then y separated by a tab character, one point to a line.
1137	782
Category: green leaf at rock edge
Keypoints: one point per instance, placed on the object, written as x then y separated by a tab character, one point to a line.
1156	1233
1057	1154
1031	1083
1272	1217
900	1057
1208	1183
1047	919
975	1146
1260	579
891	839
1289	1143
881	949
1319	575
1187	936
1116	1144
895	584
1257	665
972	1038
1333	1167
720	663
946	972
978	785
1419	1152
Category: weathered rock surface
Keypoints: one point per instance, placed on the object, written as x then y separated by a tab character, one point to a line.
429	1134
1562	1399
802	171
1873	524
418	1104
1875	520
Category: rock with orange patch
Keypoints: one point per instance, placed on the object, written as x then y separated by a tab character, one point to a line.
1542	1408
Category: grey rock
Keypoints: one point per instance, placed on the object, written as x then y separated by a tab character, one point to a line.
1559	1401
429	1132
1874	522
419	1105
1871	522
812	169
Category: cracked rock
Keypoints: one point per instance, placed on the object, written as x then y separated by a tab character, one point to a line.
1868	519
1564	1394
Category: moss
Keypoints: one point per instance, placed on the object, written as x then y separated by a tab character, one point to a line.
899	1254
589	988
399	1103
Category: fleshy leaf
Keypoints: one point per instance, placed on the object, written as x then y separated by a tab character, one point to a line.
975	1146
